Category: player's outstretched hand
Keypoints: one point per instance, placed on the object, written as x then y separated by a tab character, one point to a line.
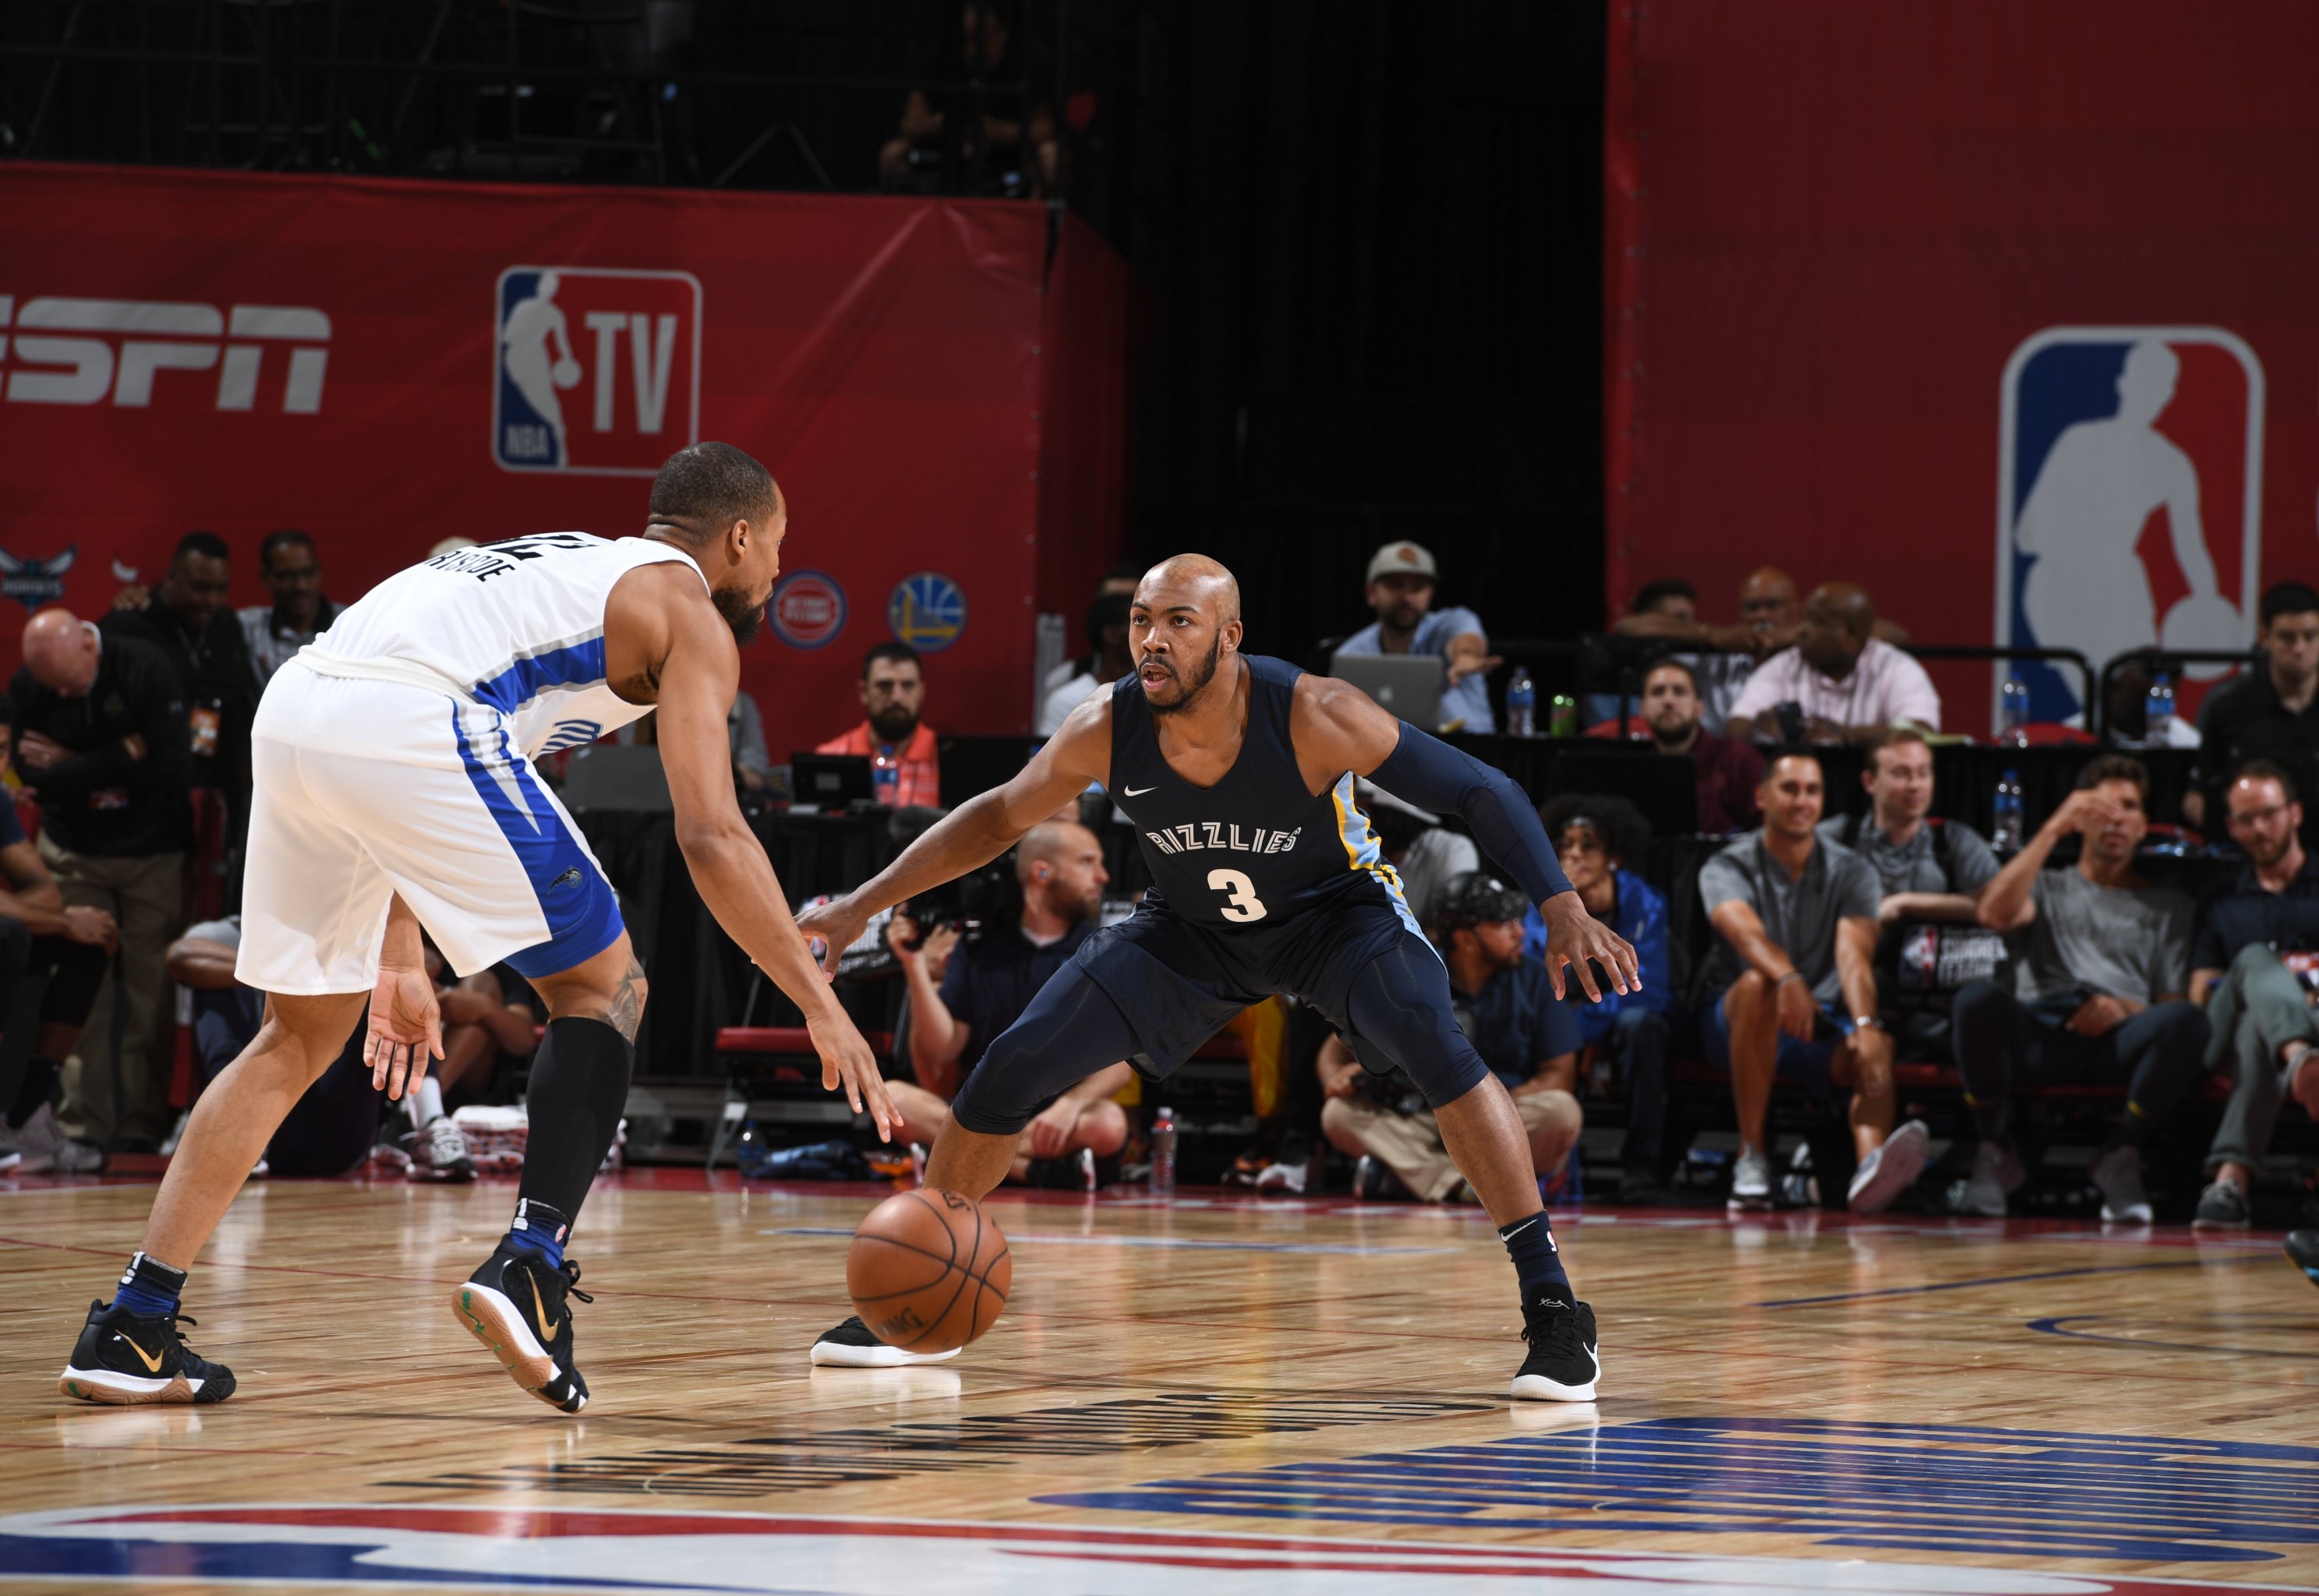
845	1057
406	1029
838	926
1574	936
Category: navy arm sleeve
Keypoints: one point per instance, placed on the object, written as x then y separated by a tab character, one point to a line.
1423	770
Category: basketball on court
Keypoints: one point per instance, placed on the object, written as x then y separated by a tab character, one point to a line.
928	1271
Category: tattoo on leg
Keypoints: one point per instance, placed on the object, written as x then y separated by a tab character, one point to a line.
628	1002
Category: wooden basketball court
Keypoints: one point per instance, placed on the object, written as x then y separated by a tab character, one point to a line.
1214	1396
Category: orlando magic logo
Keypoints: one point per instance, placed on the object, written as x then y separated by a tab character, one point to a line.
35	582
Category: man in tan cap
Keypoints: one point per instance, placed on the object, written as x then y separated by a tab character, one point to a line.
1401	591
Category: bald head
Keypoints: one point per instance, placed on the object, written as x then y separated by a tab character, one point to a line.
1060	863
1767	600
1185	618
1837	620
62	652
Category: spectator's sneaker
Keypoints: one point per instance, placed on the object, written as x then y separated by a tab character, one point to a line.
43	1148
515	1305
1890	1170
1996	1175
2118	1175
1374	1180
1562	1366
2303	1251
1072	1172
851	1346
128	1359
439	1152
1751	1180
9	1156
1285	1179
1245	1169
2222	1206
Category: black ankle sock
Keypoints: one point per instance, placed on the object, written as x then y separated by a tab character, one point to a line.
537	1228
38	1086
1538	1264
579	1090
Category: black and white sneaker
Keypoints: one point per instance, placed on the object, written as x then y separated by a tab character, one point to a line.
1561	1362
129	1359
1562	1366
515	1305
439	1152
851	1346
2222	1206
2303	1251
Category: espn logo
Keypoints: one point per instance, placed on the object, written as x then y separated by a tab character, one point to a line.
52	359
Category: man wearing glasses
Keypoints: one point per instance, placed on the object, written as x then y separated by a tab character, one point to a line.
2259	1010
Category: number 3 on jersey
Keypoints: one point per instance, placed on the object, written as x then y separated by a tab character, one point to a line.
1240	901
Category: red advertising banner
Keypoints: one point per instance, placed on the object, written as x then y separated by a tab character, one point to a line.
2005	312
387	365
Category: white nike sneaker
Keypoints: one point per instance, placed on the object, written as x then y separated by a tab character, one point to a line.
1891	1169
2117	1175
1751	1180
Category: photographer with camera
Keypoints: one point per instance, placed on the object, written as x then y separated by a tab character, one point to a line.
1505	1005
965	989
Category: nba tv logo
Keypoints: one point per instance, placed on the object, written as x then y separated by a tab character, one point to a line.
594	370
2129	498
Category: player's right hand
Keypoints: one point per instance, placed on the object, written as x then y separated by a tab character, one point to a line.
838	926
845	1057
406	1029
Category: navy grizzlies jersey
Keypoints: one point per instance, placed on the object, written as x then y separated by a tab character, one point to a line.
1256	848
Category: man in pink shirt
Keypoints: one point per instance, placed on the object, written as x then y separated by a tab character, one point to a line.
1850	684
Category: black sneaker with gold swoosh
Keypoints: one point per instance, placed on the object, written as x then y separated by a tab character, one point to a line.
515	1305
128	1359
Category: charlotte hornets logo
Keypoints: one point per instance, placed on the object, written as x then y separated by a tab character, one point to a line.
36	581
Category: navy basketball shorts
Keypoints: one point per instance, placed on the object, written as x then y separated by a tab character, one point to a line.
1153	988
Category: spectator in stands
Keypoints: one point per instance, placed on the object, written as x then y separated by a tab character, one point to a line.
1927	869
1505	1005
744	729
898	745
1798	917
982	149
299	613
1401	582
99	738
1107	634
1669	609
1596	834
1848	683
1120	580
2257	1009
2100	980
333	1126
1424	854
2271	713
962	996
67	944
1728	772
187	619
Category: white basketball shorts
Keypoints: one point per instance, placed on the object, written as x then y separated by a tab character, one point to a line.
368	789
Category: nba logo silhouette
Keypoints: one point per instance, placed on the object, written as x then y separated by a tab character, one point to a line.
594	370
2129	498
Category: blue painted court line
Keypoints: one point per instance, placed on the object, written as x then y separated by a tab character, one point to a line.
2053	1327
1911	1291
1150	1242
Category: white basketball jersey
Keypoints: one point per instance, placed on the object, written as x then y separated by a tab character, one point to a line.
516	627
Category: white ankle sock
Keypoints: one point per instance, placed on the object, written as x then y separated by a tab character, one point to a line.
427	1102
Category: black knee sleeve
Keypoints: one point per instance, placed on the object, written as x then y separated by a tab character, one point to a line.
579	1090
1400	1014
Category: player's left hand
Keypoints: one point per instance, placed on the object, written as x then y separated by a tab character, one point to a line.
1574	936
406	1029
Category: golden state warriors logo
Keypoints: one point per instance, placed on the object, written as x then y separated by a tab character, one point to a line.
927	611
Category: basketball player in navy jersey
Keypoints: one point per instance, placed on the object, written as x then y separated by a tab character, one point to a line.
1237	772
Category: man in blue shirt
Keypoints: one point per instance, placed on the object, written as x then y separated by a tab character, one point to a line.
1401	577
1595	833
1505	1005
2262	1027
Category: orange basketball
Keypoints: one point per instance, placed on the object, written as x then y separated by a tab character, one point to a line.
928	1271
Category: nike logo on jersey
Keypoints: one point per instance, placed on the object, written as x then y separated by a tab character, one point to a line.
1200	836
1137	791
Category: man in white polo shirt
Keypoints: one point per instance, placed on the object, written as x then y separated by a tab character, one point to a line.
1401	591
1850	684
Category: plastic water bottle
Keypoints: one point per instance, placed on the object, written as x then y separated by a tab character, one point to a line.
1562	722
1163	1154
1521	705
2014	697
885	777
2005	835
2158	722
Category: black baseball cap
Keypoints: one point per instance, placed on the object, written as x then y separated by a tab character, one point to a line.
1479	899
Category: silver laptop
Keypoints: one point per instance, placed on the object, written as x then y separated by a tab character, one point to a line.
1408	685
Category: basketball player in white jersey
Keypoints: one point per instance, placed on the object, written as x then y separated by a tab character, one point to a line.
394	790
